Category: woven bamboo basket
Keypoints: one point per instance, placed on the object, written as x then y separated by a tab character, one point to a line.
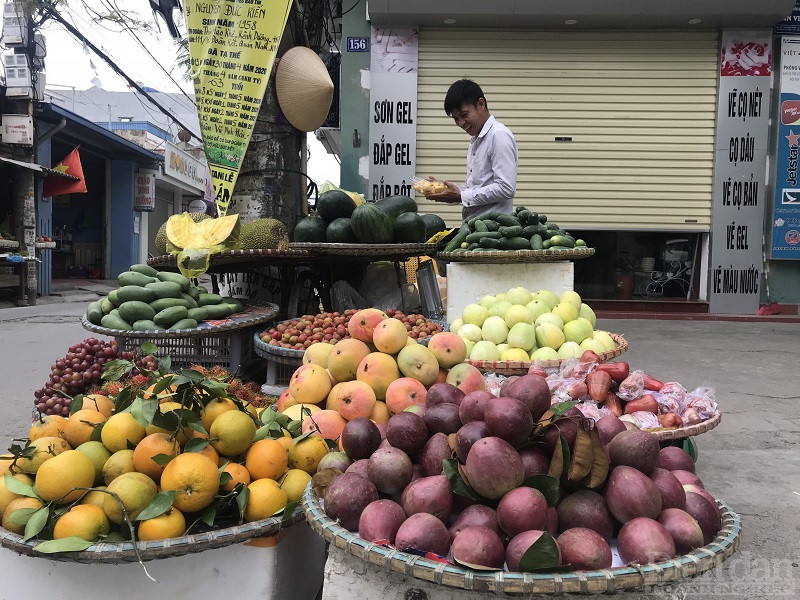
233	257
666	435
519	367
151	550
611	580
516	256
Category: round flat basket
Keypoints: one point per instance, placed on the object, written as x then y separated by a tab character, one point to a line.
608	580
515	256
45	245
254	314
9	244
666	435
519	367
233	257
124	552
365	250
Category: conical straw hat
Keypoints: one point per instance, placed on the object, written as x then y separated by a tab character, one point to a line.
304	88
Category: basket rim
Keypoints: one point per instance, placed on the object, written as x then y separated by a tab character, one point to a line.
248	320
159	549
520	367
607	580
516	256
665	435
170	260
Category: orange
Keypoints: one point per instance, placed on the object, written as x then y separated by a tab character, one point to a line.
307	453
85	521
102	404
80	426
135	490
215	408
95	497
209	452
165	395
43	449
6	460
119	463
47	426
98	454
266	459
58	477
15	505
380	413
265	499
294	484
120	430
7	496
238	473
232	432
285	441
153	445
171	524
194	477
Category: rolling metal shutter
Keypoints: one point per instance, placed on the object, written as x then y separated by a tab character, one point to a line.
639	106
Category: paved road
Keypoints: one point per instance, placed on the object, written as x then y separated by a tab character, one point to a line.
752	460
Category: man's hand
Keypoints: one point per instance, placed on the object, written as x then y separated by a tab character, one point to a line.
451	195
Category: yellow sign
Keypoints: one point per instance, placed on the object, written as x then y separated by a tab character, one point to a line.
232	44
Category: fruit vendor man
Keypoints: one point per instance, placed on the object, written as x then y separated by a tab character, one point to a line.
492	156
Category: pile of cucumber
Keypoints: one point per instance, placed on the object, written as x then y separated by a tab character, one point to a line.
151	300
524	230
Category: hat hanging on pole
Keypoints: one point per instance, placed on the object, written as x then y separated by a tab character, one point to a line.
304	88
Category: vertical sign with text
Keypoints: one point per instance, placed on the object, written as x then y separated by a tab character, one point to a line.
740	172
786	204
232	44
393	112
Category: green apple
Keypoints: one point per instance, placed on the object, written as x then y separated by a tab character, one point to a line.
499	309
519	295
456	325
470	332
494	330
571	297
547	297
550	318
484	350
587	313
566	311
578	330
569	350
549	335
475	314
516	354
522	335
544	353
488	301
517	314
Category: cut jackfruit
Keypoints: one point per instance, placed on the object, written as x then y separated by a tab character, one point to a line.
195	242
264	234
161	235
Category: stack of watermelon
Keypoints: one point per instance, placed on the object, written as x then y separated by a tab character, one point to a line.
339	220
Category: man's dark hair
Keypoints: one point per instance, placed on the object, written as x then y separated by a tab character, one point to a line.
463	91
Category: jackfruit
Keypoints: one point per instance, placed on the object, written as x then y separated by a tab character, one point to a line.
264	234
195	242
161	236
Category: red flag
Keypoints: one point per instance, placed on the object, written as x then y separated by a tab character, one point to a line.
69	165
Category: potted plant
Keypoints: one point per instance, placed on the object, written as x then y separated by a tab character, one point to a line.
624	276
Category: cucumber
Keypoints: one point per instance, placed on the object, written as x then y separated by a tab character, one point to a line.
134	292
507	220
519	209
491	216
114	312
561	240
480	226
192	303
144	270
471	223
546	244
175	277
552	226
580	243
478	235
94	313
106	306
235	302
218	311
165	289
523	215
136	311
536	242
533	219
516	243
169	316
490	243
457	240
194	292
184	324
202	289
162	303
472	246
208	299
198	314
543	219
491	225
510	232
559	248
547	234
115	322
112	296
145	325
134	278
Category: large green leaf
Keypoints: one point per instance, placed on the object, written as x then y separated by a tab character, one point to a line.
77	404
116	369
460	487
67	544
561	408
36	523
542	555
545	484
22	515
196	444
15	486
158	506
241	500
149	348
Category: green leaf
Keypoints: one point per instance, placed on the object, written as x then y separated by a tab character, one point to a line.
164	365
450	466
149	409
162	459
67	544
158	506
294	428
282	420
192	376
21	515
136	409
116	369
262	433
162	384
115	537
130	444
196	426
268	416
224	478
289	509
561	408
208	515
97	433
300	438
123	399
545	484
178	380
77	404
36	523
542	555
565	452
196	444
241	500
690	447
15	486
218	389
149	348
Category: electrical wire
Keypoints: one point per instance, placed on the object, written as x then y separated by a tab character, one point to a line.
352	7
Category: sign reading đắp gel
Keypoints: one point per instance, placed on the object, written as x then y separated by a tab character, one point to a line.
740	172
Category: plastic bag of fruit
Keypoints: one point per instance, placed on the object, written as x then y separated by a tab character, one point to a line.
344	297
632	387
381	289
671	398
702	401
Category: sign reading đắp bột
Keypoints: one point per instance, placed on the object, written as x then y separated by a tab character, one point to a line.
232	44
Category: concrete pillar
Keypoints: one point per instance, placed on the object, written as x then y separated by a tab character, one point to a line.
124	242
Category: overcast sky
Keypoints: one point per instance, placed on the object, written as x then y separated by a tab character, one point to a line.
69	67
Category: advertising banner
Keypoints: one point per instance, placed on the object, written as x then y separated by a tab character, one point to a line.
786	205
232	44
740	172
392	112
145	198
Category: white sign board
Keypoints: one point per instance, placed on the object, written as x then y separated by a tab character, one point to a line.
182	166
144	199
392	112
17	129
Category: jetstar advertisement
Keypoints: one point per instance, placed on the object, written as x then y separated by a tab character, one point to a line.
232	44
786	206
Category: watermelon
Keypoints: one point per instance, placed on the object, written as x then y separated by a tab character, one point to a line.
394	206
433	225
334	204
340	231
371	225
409	228
310	229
